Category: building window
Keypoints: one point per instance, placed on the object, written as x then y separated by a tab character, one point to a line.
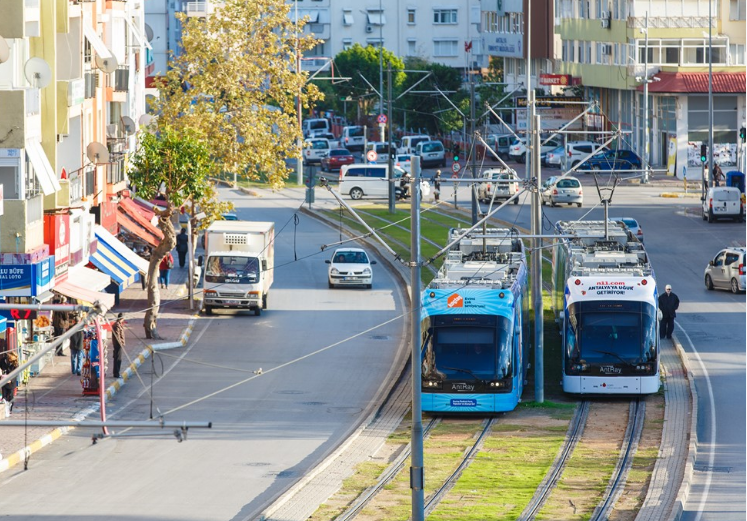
375	17
445	47
347	43
736	54
411	17
588	52
516	23
445	16
412	46
581	52
490	22
737	10
374	42
347	17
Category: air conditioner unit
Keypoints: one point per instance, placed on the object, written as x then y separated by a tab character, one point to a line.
606	49
369	28
605	23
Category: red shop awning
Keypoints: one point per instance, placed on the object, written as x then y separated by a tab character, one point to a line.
697	82
131	217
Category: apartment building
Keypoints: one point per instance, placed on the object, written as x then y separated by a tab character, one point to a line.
604	49
72	90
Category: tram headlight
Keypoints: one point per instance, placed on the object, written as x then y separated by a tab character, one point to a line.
432	384
643	368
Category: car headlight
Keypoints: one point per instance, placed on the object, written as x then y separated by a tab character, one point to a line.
334	271
367	271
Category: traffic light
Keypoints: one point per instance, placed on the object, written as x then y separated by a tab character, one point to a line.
703	153
743	134
456	152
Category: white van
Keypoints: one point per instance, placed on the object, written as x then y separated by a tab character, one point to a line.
723	202
353	138
366	180
310	126
315	149
431	153
380	148
409	143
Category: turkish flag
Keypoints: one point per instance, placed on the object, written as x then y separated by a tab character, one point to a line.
467	46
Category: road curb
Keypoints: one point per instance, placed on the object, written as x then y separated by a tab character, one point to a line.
20	455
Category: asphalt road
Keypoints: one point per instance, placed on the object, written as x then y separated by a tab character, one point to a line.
324	356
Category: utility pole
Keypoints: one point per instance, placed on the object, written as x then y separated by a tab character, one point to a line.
645	108
417	471
475	205
539	326
299	160
710	95
390	159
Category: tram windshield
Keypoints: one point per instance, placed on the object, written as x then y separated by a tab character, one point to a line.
232	269
478	352
611	332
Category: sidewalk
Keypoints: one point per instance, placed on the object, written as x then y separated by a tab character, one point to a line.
56	395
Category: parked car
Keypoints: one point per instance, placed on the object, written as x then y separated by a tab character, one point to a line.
498	184
368	180
432	153
726	270
576	151
562	190
353	138
350	267
613	160
315	125
404	161
229	216
631	224
329	136
336	158
723	202
314	149
408	143
501	144
381	148
554	157
518	150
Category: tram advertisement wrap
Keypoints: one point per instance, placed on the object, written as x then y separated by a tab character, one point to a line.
467	301
606	288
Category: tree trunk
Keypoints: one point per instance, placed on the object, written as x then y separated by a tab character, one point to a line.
154	296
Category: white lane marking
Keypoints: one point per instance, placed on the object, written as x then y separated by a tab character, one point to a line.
712	444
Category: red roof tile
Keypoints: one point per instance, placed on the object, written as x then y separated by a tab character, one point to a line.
723	82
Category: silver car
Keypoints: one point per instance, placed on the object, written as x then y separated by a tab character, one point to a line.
632	225
726	270
562	190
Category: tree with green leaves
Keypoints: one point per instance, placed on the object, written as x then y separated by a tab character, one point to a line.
173	163
236	81
360	62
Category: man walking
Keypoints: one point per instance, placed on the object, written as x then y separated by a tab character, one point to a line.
668	304
182	246
118	338
437	186
76	349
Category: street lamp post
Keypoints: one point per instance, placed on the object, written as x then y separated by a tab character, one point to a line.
710	95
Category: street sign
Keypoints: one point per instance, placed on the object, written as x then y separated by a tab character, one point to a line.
381	118
455	176
456	167
371	155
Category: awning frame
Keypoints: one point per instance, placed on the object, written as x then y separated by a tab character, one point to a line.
96	42
42	167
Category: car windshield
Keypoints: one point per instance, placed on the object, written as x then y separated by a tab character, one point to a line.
355	132
568	183
232	269
339	152
319	145
433	147
316	125
350	257
403	158
725	195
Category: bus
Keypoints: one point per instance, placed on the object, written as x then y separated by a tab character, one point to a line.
475	327
605	299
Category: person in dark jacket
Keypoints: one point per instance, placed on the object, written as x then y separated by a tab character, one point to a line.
182	246
668	304
60	324
8	363
118	341
76	348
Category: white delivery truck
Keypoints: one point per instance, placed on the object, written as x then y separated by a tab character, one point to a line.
240	265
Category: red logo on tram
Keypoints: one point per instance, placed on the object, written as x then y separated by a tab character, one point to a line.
455	301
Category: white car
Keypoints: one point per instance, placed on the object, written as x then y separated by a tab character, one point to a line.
562	190
631	224
726	270
498	184
554	157
350	267
518	150
404	161
315	149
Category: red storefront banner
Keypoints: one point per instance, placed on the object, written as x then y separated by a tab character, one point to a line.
57	237
555	79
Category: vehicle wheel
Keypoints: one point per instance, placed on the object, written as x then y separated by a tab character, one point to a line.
704	216
734	286
208	310
443	164
708	282
257	312
552	203
579	204
543	202
739	218
710	216
264	301
522	158
331	286
575	163
356	194
516	201
369	286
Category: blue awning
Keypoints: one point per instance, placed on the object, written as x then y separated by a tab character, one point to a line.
116	260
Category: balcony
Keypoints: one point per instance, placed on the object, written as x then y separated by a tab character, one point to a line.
115	171
200	8
672	22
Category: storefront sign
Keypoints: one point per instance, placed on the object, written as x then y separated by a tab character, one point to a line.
57	237
555	79
27	280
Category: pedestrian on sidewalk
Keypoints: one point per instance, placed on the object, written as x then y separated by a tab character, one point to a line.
182	246
668	304
437	186
76	348
718	175
167	263
8	363
60	324
118	340
145	254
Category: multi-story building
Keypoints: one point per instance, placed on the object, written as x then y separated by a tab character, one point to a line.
71	92
604	46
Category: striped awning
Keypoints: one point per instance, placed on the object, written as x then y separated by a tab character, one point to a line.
117	260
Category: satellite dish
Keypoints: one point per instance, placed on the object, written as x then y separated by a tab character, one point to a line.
38	73
149	122
128	125
4	50
106	64
148	33
97	153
